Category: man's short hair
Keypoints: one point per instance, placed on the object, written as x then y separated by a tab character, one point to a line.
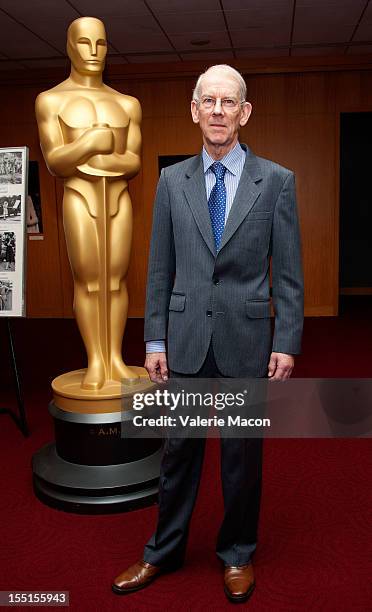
230	72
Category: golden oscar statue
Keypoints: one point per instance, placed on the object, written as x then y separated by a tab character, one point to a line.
90	136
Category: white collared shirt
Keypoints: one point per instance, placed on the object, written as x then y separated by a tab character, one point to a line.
234	162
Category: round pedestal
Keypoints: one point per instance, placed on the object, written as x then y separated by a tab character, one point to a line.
91	469
113	396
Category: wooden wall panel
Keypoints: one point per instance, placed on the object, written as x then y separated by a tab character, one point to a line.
44	288
305	144
295	121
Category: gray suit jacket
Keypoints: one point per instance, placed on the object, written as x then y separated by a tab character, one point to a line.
194	295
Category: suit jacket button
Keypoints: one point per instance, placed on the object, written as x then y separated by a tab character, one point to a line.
209	313
216	280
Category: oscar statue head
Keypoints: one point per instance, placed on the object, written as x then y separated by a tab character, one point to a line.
87	45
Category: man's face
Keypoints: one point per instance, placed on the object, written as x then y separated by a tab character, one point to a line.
219	124
87	46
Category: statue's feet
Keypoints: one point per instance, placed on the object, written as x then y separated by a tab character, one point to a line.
94	378
122	373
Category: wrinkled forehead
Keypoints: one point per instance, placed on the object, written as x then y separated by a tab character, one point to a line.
86	27
219	83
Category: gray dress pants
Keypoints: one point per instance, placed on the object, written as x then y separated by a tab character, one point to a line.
241	475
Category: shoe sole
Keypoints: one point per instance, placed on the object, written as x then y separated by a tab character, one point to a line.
239	598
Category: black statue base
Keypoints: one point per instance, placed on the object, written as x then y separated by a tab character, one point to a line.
91	469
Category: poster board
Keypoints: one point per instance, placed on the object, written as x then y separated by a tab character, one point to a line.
13	197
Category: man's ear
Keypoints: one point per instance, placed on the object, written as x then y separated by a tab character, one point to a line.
194	111
245	113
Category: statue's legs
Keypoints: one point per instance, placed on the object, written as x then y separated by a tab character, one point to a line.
98	245
120	232
83	251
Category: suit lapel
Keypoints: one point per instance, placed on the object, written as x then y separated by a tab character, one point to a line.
196	196
246	195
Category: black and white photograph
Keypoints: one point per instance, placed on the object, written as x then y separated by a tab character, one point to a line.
14	169
34	219
6	294
7	251
11	167
10	208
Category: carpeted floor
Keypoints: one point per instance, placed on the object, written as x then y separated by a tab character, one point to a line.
315	531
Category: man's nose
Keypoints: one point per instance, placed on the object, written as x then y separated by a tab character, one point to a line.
218	108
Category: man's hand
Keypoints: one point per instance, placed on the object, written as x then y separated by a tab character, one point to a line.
280	366
156	365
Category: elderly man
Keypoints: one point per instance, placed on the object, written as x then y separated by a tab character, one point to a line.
219	219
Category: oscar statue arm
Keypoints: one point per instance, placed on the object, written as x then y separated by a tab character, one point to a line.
127	163
132	156
62	159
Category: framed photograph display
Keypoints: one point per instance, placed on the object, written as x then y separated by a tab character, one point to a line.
13	200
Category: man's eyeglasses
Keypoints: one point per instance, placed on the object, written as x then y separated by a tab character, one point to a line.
226	103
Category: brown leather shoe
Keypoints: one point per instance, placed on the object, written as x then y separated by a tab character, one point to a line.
136	577
239	582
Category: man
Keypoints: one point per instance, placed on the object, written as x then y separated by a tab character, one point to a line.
218	219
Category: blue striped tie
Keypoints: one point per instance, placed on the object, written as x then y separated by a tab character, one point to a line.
217	203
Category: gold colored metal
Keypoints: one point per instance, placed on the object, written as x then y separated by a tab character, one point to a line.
90	136
69	396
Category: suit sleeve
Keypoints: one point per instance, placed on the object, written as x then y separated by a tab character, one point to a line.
287	277
161	267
